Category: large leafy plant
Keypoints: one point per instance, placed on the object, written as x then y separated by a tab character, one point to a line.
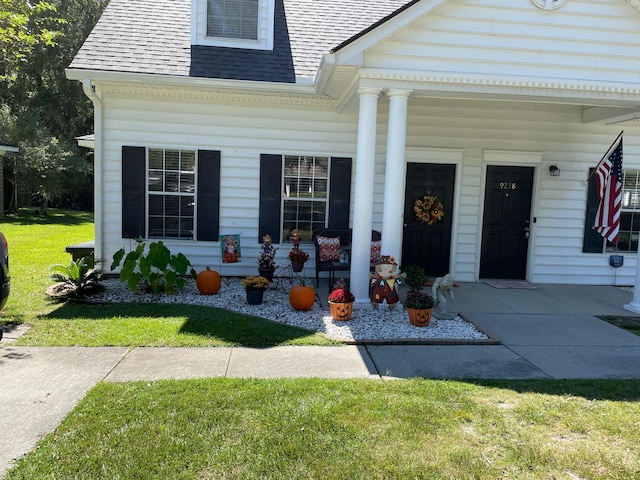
75	280
155	266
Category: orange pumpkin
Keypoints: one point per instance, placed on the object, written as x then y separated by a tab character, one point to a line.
208	282
302	297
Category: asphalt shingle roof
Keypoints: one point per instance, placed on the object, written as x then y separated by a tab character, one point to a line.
153	37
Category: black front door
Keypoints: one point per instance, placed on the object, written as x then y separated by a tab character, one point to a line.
505	229
427	241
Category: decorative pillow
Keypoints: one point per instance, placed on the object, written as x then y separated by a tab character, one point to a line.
376	247
329	249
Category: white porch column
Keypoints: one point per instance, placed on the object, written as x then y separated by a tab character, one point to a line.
634	306
394	178
363	202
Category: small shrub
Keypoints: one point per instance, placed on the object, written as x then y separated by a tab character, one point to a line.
75	280
159	269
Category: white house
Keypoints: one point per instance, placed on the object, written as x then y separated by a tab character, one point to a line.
247	117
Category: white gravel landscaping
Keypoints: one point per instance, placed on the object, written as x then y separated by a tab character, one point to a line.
379	324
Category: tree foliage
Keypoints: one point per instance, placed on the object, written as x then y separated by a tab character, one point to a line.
40	110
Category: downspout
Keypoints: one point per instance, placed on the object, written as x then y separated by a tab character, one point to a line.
90	92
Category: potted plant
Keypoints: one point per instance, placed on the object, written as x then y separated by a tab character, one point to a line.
267	258
419	306
416	278
298	259
341	301
255	287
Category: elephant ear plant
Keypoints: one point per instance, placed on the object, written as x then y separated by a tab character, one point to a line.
158	269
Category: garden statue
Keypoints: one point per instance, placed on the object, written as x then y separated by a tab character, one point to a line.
295	238
385	282
443	288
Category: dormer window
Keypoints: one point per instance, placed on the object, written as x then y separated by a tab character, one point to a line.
232	19
233	23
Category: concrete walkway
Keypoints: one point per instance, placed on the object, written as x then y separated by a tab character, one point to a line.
550	332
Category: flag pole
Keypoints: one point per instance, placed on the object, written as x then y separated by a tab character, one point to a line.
608	152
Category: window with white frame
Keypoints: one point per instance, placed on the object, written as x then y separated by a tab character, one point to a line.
630	214
305	181
232	19
171	193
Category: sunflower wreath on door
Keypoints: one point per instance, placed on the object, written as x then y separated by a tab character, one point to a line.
428	209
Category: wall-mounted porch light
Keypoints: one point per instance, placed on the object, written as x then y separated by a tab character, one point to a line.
554	171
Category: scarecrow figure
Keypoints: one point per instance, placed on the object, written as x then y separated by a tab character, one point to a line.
384	283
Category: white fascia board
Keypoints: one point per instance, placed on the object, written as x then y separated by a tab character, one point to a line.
303	85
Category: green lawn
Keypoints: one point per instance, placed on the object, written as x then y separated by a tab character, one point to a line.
345	429
37	242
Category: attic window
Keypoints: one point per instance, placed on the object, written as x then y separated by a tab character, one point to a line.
233	23
232	19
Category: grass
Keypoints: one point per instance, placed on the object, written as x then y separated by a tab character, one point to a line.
355	429
630	324
37	242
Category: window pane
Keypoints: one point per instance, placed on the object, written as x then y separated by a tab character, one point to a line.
156	227
320	188
319	212
156	180
156	205
321	167
187	182
187	161
186	206
171	227
305	189
291	187
172	160
171	205
155	159
186	228
171	182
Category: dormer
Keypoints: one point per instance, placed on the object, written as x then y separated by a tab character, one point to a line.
233	23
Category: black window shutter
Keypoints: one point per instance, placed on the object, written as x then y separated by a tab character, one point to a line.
592	242
133	191
339	193
208	201
270	196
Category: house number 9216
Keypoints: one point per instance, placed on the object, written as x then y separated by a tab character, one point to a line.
508	186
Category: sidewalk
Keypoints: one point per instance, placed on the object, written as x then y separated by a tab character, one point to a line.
546	333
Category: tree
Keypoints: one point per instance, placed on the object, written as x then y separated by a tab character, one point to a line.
44	111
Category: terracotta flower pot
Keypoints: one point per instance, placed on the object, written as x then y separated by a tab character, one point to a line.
341	311
420	318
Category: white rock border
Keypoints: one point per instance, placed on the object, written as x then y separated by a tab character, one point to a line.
374	325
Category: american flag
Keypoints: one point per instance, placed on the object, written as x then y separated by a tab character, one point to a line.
608	175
